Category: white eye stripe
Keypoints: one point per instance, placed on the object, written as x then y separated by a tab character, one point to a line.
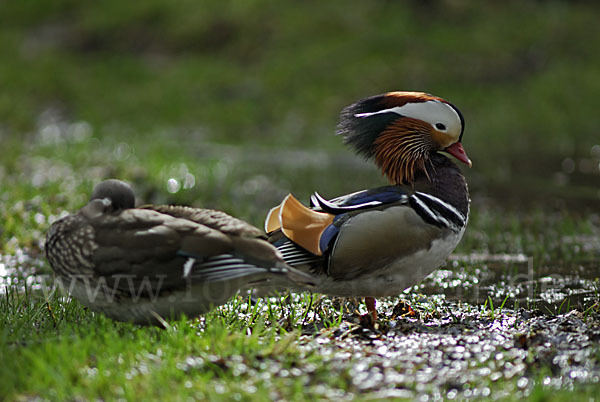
432	112
392	110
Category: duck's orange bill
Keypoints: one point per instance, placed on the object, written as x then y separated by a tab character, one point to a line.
459	153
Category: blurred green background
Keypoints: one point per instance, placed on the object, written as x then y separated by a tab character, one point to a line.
231	104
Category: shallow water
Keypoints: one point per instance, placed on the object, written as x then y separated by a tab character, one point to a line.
463	354
516	281
447	349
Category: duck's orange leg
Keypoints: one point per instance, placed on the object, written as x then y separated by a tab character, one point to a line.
370	302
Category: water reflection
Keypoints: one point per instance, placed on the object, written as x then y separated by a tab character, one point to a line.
21	271
55	132
515	280
173	185
178	176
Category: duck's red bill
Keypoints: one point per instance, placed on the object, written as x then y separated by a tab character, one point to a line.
459	153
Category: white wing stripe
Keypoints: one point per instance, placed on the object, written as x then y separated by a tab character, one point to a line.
444	205
430	213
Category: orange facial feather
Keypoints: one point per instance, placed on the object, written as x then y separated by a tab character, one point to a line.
402	149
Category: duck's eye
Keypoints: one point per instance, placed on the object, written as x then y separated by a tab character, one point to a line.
440	126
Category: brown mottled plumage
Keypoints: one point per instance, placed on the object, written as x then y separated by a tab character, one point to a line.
158	262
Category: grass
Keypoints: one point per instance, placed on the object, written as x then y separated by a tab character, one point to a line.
496	312
248	74
55	349
233	105
107	360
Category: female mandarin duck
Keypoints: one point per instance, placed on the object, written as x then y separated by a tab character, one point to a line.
378	242
156	262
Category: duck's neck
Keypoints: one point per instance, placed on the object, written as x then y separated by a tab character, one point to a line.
444	180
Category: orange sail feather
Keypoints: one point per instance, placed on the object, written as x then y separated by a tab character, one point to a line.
298	223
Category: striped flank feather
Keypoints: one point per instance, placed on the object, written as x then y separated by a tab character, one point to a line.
436	211
295	255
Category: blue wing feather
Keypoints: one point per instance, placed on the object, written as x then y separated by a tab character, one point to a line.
360	200
327	236
341	206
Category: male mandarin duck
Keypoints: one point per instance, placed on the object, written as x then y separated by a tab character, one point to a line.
378	242
153	263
